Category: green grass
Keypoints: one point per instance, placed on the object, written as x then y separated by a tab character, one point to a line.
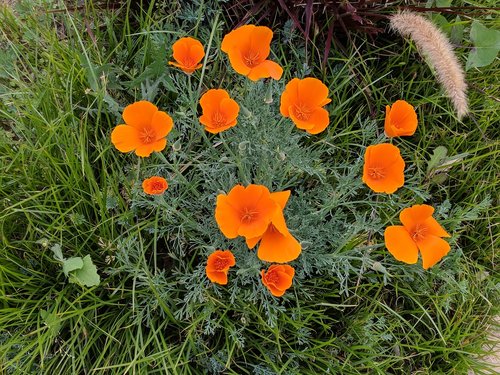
353	308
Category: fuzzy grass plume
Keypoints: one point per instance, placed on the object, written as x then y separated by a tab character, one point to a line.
433	43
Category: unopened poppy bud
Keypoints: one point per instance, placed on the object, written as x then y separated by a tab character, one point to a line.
177	145
268	99
245	112
242	146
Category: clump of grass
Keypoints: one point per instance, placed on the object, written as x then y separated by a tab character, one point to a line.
353	308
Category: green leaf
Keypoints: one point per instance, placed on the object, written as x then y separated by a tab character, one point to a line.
72	264
51	321
437	157
443	3
86	275
56	249
457	31
486	46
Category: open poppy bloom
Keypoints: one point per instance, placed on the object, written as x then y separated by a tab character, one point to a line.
154	185
303	101
278	278
218	264
248	47
245	211
219	111
145	129
277	244
400	119
383	170
188	53
420	231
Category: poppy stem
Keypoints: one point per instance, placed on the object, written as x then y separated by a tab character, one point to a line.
205	60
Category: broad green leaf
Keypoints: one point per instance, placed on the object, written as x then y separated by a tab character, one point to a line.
72	264
443	3
486	45
437	157
52	321
457	31
56	249
86	275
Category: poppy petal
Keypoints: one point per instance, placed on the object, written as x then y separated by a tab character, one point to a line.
320	118
284	281
432	249
260	41
251	242
229	109
289	96
196	52
125	138
400	244
266	69
301	124
162	124
238	38
279	248
145	150
139	114
281	197
218	277
416	214
238	63
312	92
435	228
227	217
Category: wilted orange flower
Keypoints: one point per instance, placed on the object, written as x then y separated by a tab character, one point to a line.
145	129
277	244
245	211
187	52
278	278
420	231
219	111
218	264
154	185
303	100
400	119
248	48
383	170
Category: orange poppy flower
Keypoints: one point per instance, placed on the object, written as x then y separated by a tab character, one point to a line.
154	185
244	211
248	47
277	244
383	170
278	278
420	231
303	100
400	119
145	129
218	264
188	53
219	111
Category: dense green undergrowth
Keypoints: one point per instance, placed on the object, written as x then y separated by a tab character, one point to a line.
64	80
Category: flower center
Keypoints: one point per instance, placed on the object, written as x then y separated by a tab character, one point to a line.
376	173
248	215
218	120
157	186
251	58
418	233
302	112
272	278
147	135
220	264
188	62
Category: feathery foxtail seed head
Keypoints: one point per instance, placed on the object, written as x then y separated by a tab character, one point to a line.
434	44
